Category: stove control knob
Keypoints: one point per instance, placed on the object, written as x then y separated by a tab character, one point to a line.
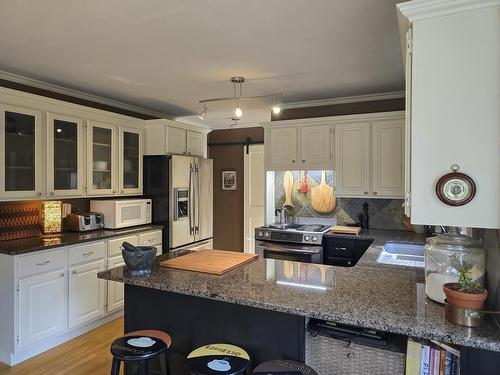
267	234
259	233
306	237
314	238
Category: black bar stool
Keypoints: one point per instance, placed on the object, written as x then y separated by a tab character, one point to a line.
140	347
218	359
282	366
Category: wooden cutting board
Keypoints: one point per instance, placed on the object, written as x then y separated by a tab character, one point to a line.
216	262
322	198
345	230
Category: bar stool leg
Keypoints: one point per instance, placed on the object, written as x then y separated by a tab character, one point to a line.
164	364
115	367
144	367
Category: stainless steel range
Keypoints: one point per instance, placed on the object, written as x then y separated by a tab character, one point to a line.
295	233
295	242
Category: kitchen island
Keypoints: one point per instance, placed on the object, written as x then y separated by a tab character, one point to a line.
256	307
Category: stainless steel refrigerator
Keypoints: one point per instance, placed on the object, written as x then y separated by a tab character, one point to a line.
181	190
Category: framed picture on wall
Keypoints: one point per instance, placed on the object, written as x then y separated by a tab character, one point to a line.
228	180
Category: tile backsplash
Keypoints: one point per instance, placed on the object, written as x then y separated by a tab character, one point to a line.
383	213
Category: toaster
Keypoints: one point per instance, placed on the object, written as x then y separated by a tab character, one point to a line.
83	222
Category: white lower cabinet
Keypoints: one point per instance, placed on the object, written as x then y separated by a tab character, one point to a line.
43	301
116	295
86	293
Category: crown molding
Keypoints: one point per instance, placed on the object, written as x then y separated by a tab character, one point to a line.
346	99
416	10
80	94
192	123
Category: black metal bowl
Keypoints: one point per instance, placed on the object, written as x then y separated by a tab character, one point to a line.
139	263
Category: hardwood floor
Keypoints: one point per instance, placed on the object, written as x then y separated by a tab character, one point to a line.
84	355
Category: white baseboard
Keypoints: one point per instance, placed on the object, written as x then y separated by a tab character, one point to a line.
23	354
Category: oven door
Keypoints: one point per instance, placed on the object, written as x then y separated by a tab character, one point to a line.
290	251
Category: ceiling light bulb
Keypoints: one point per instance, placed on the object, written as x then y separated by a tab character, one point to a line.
238	112
59	130
276	109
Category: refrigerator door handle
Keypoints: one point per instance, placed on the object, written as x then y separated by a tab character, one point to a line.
190	208
197	229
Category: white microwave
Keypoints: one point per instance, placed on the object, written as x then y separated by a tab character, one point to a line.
122	213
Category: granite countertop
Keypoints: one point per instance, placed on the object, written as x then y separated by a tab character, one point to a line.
31	244
381	236
382	297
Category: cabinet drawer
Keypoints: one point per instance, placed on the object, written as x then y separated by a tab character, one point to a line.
43	262
114	246
150	238
86	253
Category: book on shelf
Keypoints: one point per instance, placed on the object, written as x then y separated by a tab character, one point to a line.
430	357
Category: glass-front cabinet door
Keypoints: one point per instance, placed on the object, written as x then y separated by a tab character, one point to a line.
130	161
101	161
65	171
21	152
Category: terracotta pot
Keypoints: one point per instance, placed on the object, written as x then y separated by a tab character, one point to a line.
465	300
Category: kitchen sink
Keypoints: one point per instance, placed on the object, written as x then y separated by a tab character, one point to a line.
402	254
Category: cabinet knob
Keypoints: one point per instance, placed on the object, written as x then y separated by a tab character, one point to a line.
61	274
114	191
51	193
366	193
123	191
303	161
293	161
73	272
374	193
38	194
350	355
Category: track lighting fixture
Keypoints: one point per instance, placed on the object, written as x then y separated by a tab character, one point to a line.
203	113
237	97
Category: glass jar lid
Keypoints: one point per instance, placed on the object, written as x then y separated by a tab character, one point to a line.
452	241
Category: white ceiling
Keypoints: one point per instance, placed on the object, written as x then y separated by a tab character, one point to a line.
166	55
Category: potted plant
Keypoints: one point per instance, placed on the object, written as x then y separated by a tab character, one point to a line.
466	293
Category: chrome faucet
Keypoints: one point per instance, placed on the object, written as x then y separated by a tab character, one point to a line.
282	214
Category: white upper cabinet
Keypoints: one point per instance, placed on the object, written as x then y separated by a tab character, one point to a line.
102	163
194	143
452	71
21	161
388	157
171	137
352	159
176	140
130	161
316	147
281	148
65	156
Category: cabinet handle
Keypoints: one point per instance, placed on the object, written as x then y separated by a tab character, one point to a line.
43	263
303	161
293	161
88	254
350	355
74	272
374	193
366	192
61	274
341	248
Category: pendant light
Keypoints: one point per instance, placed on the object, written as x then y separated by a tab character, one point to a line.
275	108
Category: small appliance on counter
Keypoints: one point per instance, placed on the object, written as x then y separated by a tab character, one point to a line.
83	222
123	213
